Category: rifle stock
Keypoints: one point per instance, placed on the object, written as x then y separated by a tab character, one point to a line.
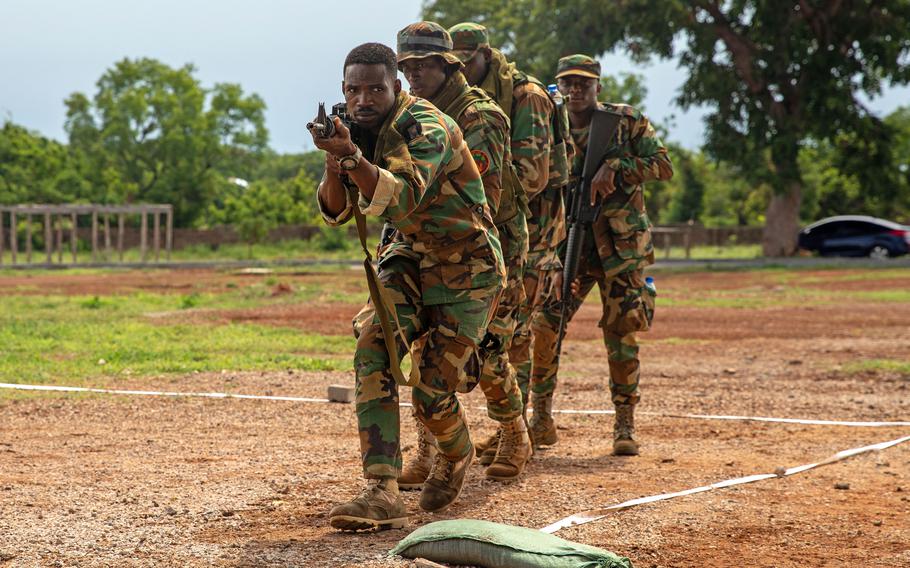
580	212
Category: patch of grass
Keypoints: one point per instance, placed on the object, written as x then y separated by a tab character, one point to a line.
704	252
885	365
72	339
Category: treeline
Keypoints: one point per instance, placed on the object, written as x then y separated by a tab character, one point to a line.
151	133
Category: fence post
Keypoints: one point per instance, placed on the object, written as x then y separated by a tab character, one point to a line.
169	231
156	234
688	240
59	239
107	237
120	235
48	238
28	238
13	234
2	236
74	235
143	236
94	235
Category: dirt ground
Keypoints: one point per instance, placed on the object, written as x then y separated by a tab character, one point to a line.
98	480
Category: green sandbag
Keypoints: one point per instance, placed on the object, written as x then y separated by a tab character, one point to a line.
493	545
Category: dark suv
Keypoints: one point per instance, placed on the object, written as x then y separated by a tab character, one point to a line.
856	235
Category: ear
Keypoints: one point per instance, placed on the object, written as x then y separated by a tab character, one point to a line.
397	86
342	87
487	53
599	87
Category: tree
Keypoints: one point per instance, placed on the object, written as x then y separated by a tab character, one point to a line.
34	169
153	134
775	74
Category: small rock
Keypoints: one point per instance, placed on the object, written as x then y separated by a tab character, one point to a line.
667	460
102	362
729	464
899	489
842	486
780	471
284	489
730	371
170	511
795	362
227	513
877	522
6	556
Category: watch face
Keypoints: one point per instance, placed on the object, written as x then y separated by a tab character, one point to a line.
348	163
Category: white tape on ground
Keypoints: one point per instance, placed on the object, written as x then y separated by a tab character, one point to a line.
55	388
597	514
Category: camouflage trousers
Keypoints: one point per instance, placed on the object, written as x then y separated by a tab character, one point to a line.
498	378
628	307
538	286
449	356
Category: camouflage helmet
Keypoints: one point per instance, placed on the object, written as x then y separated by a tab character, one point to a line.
578	64
467	38
425	39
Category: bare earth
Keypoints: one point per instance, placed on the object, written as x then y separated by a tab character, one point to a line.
144	481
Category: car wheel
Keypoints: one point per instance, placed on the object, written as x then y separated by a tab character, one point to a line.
879	252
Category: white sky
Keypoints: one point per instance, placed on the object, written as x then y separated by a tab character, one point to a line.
290	52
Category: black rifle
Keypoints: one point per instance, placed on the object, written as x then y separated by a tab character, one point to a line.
580	213
324	126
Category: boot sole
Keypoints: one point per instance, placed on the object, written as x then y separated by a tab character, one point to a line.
351	523
625	449
410	486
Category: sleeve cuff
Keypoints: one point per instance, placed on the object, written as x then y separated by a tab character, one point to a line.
334	221
388	188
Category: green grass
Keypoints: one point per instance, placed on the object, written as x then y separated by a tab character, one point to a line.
705	252
72	339
886	365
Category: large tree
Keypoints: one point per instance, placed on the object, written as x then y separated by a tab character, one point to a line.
154	134
773	74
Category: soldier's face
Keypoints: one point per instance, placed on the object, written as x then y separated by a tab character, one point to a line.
369	93
582	92
475	68
425	75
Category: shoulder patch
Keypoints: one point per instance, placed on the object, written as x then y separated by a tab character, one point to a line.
408	126
482	160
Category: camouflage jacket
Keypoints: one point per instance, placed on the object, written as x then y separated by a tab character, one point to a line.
540	160
486	132
430	190
622	233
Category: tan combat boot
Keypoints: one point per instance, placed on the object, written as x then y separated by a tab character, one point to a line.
445	482
378	507
542	428
417	470
514	451
490	446
624	443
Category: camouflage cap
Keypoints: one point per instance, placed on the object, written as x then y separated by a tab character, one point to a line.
425	39
467	38
578	64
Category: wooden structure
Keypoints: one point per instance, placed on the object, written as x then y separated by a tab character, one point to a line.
54	217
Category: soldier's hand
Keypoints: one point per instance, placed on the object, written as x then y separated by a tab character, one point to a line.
339	144
603	183
331	164
576	287
556	286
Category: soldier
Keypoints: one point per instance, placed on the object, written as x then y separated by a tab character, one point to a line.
539	152
443	276
434	73
615	254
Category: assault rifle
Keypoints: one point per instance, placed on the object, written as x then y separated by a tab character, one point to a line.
324	126
580	213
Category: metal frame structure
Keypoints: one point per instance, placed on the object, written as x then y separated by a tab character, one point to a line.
53	221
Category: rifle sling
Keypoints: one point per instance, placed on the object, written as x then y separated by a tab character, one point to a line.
384	306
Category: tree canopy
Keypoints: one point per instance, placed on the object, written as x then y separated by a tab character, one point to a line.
776	76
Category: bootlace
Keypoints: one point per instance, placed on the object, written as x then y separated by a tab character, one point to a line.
423	441
442	468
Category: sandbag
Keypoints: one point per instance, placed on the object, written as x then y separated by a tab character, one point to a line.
494	545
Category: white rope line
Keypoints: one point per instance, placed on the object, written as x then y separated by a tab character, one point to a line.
56	388
597	514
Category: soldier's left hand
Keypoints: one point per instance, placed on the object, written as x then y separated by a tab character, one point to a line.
339	144
603	183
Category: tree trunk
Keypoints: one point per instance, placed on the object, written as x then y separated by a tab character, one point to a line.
782	221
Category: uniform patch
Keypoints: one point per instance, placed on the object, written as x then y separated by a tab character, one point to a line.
482	160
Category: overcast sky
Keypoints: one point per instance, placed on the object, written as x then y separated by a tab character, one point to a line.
290	52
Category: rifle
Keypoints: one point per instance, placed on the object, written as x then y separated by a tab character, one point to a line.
580	214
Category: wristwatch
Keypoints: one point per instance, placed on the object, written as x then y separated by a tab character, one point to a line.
349	162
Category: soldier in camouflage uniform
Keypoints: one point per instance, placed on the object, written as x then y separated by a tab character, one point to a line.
540	154
618	248
434	73
443	276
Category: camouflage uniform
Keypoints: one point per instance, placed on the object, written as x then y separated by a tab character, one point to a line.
540	156
444	273
618	247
